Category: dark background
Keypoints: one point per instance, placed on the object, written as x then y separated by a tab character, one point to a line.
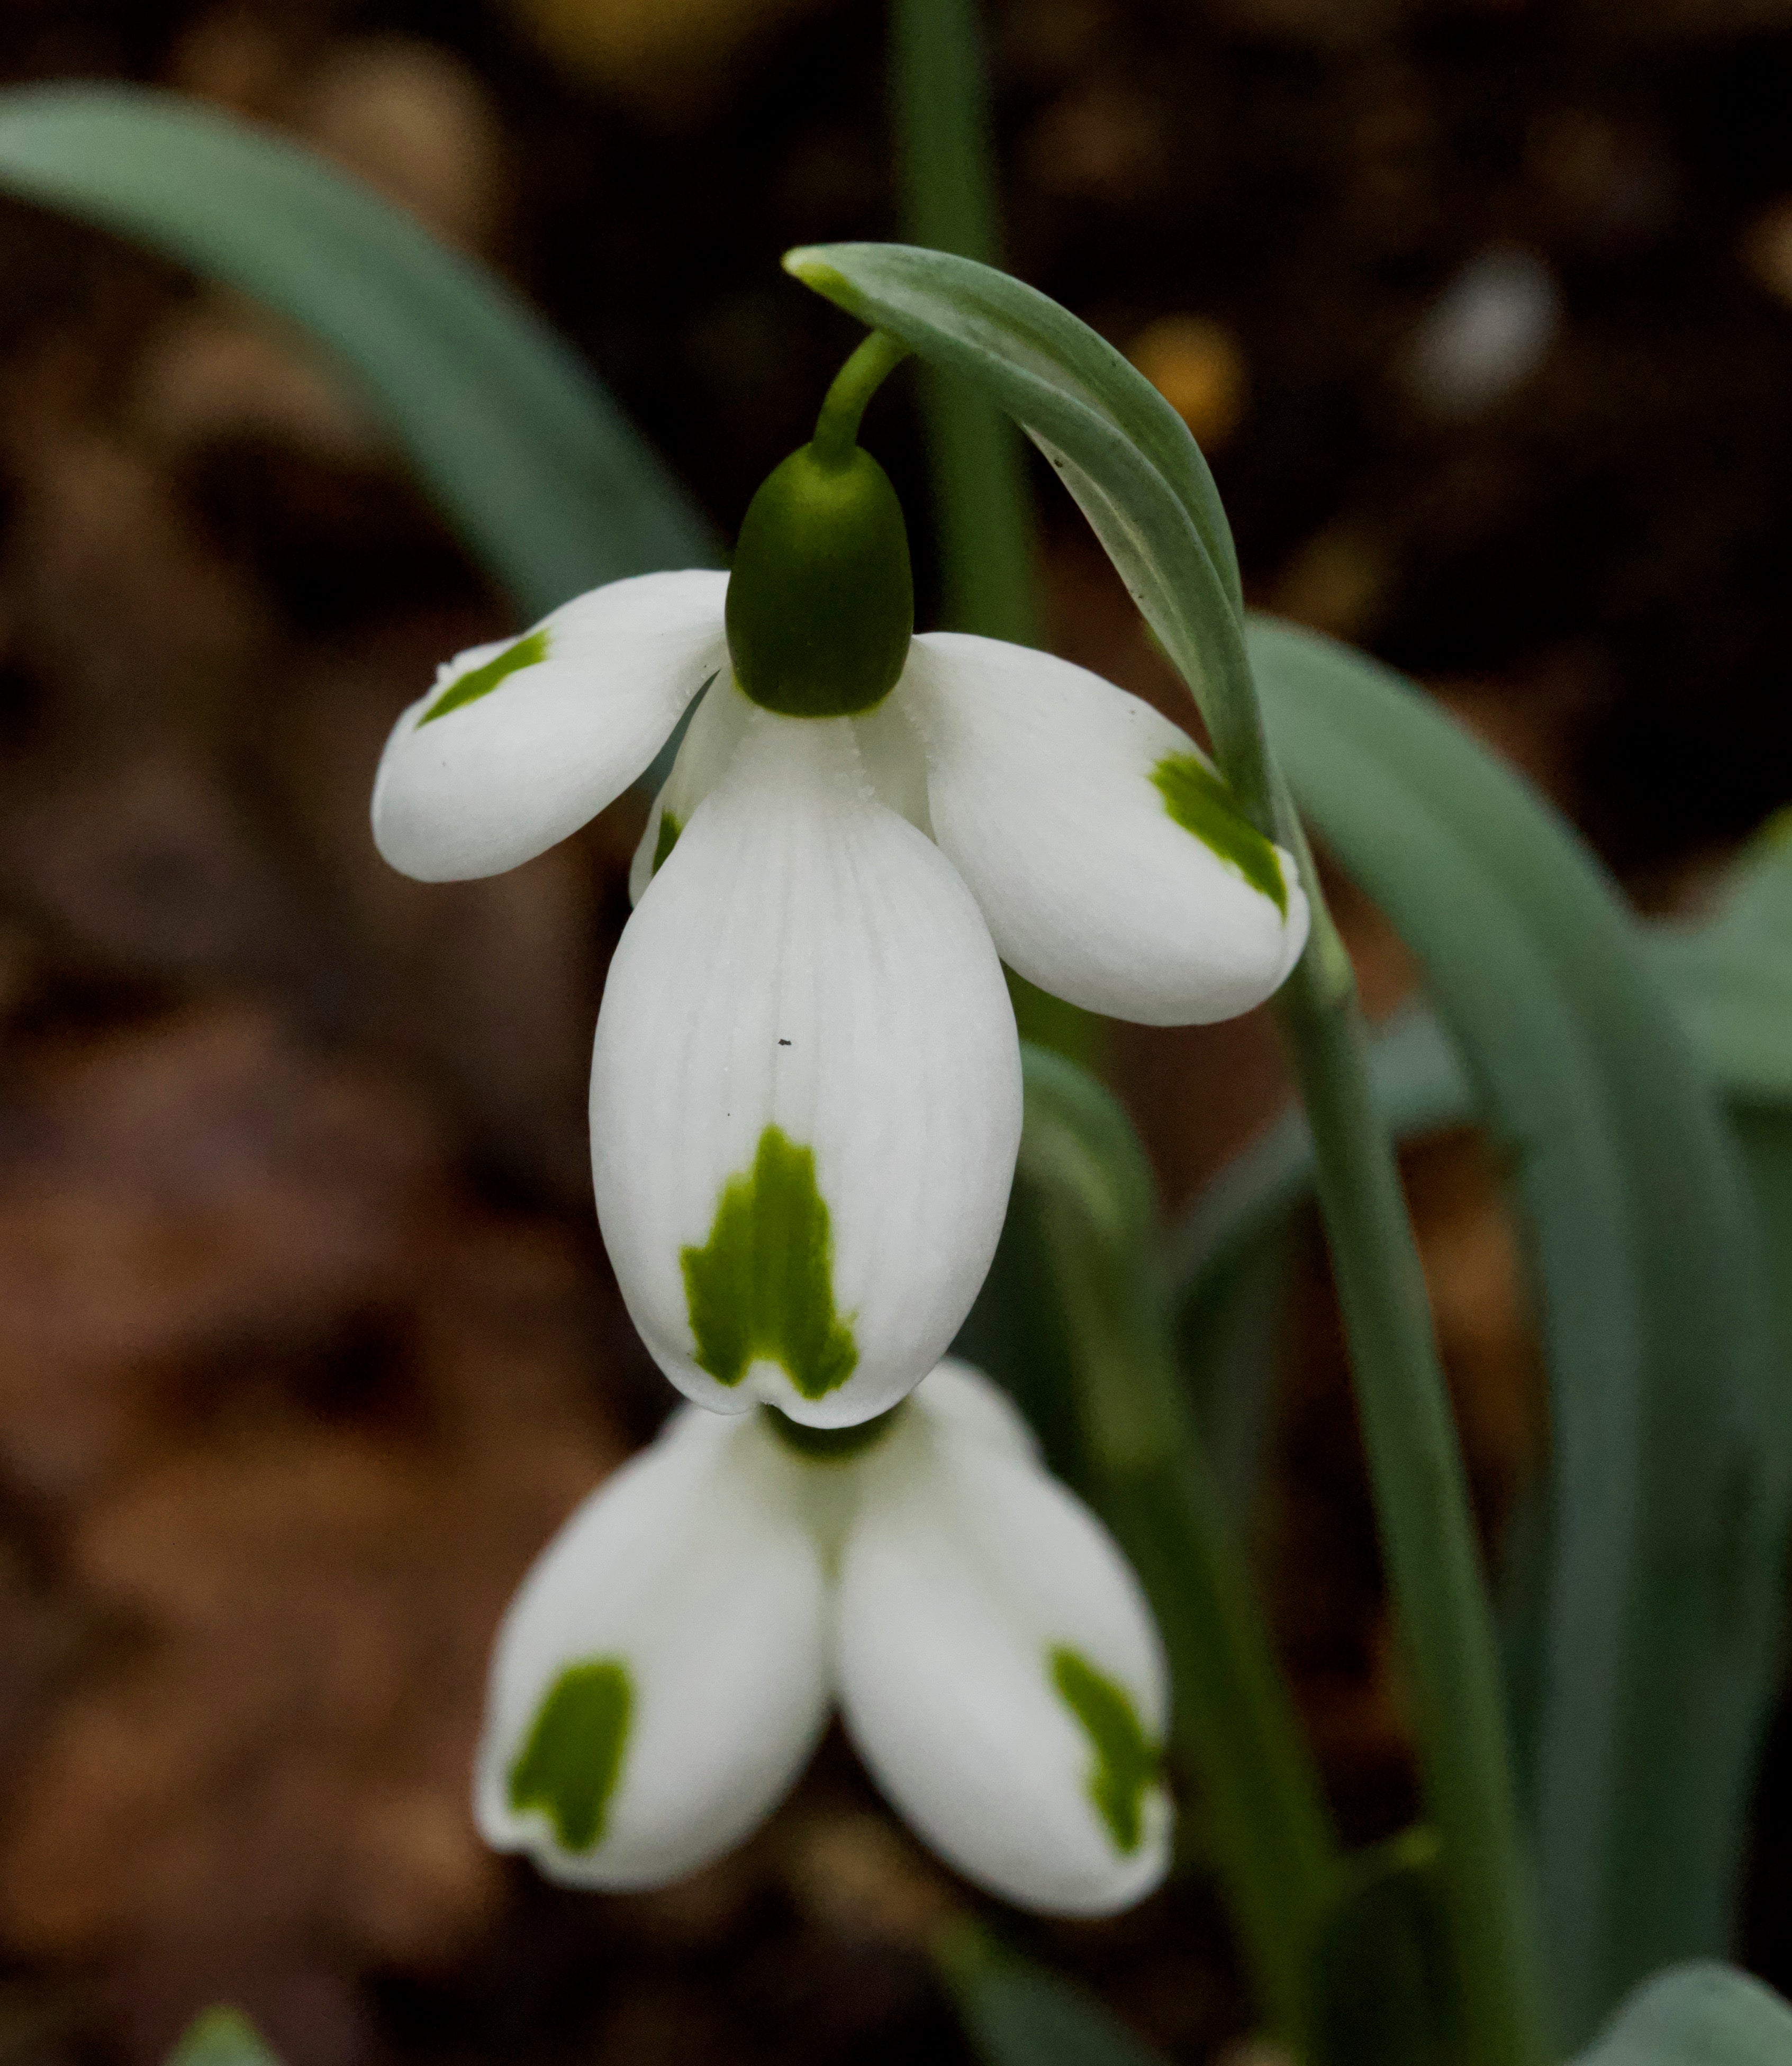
307	1339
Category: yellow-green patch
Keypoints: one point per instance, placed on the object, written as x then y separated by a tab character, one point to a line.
1126	1760
527	652
669	831
569	1766
762	1286
833	1445
1200	802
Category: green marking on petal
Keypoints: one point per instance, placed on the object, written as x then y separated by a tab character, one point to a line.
527	652
669	831
569	1766
762	1286
1126	1760
833	1445
1201	803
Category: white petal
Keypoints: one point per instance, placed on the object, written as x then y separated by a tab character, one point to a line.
718	725
975	1408
489	783
896	760
981	1605
692	1579
1044	790
804	1012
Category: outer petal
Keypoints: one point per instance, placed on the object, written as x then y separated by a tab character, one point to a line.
660	1680
1066	804
806	1096
473	787
1000	1674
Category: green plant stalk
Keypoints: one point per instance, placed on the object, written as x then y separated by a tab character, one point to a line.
1421	1493
1233	1727
982	513
948	203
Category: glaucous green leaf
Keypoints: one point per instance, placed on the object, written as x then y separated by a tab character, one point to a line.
1084	1190
1015	2013
1701	2014
550	487
1385	1992
1668	1514
1729	974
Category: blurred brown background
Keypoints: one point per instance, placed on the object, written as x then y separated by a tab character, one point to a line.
1484	310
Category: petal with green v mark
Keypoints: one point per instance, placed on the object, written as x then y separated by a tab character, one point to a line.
1201	803
761	1288
1126	1760
570	1765
477	682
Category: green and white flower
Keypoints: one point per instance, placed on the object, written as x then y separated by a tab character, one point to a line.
665	1671
805	1095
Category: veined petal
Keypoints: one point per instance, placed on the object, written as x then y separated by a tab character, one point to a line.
718	725
805	1094
896	760
519	744
972	1408
1110	862
1000	1672
660	1679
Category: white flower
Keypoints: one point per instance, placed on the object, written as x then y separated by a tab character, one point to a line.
663	1674
806	1095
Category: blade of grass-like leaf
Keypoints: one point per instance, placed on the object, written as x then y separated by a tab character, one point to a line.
1015	2013
1540	1085
948	203
537	470
1700	2014
1083	1178
1729	977
1696	1543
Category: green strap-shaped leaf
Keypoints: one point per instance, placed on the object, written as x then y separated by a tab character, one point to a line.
1670	1462
1015	2013
548	484
1084	1188
1730	976
1703	2014
982	510
1384	1994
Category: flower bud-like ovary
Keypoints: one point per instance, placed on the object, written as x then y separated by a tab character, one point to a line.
821	603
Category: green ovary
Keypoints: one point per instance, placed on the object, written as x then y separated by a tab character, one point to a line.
527	652
1201	803
669	831
761	1288
1126	1760
569	1766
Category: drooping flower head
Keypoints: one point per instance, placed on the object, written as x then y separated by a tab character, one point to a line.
665	1672
805	1092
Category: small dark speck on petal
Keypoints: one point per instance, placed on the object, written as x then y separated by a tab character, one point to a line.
784	1044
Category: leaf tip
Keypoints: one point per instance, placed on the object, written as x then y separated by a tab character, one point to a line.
808	263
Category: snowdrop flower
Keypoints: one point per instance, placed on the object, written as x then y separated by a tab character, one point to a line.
663	1674
805	1094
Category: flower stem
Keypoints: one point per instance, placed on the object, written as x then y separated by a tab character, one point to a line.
837	426
1421	1493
